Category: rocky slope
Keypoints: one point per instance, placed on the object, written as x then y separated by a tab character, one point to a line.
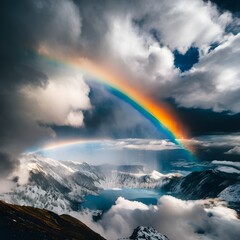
146	233
212	183
27	223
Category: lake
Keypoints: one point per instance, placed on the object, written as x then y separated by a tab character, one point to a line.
107	197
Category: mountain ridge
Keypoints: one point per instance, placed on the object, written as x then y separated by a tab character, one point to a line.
27	223
146	233
64	184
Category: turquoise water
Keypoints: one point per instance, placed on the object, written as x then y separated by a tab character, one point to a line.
107	198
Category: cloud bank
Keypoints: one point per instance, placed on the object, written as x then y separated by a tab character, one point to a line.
142	144
175	218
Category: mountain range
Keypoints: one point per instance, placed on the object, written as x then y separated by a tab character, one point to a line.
64	184
45	187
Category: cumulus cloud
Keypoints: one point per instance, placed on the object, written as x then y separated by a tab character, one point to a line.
213	82
175	218
141	54
168	21
141	39
186	23
61	101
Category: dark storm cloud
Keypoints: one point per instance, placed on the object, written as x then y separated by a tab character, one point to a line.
6	164
206	121
24	26
110	118
223	147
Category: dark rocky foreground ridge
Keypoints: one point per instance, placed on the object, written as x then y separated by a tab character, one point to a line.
28	223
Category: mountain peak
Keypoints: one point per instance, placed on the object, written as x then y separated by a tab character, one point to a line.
147	233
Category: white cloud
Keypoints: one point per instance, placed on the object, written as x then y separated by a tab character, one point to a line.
140	144
184	23
61	101
178	24
139	52
6	185
214	81
74	119
227	163
130	42
175	218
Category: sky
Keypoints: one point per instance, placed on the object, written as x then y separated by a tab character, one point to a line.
183	54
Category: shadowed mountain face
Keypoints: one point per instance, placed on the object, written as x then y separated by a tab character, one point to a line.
204	184
143	233
223	183
27	223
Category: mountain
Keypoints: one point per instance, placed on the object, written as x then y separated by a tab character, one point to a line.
212	183
27	223
146	233
64	184
133	176
204	184
60	186
53	185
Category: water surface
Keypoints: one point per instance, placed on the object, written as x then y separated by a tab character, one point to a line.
107	198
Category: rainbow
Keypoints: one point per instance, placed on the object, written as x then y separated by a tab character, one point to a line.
67	143
159	114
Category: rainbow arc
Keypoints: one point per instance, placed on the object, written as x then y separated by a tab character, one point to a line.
159	114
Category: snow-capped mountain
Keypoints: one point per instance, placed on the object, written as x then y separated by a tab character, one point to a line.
146	233
60	186
134	177
212	183
53	185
